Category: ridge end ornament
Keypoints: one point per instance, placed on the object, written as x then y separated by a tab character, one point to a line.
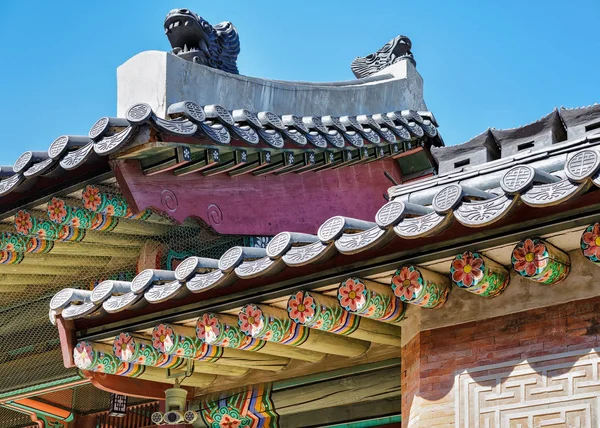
193	39
392	52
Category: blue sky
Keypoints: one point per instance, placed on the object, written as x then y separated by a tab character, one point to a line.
485	64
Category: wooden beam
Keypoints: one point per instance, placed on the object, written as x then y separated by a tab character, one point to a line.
112	201
370	299
133	387
99	358
273	325
302	368
179	340
180	156
223	330
324	313
337	392
139	350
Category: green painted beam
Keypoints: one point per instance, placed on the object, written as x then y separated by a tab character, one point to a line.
333	374
40	386
368	422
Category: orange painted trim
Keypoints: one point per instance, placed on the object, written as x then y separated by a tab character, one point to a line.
43	407
408	153
32	415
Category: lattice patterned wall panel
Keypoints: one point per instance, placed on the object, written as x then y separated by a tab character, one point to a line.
561	390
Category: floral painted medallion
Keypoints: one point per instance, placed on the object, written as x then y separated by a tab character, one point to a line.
590	243
254	323
361	299
478	274
304	308
420	287
540	261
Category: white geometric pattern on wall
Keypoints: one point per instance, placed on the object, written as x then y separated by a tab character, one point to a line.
560	390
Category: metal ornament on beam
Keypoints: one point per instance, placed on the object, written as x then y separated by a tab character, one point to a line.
478	274
421	287
540	261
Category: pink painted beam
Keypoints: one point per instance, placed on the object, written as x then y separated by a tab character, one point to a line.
264	205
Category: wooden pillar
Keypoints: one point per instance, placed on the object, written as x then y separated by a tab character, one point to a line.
324	313
273	325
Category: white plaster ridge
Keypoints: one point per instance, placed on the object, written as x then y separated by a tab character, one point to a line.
160	79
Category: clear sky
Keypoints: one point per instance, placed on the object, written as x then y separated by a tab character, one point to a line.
485	64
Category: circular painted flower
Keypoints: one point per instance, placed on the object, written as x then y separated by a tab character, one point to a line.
56	210
124	347
590	242
82	355
301	307
23	222
250	320
229	422
162	338
351	294
91	198
466	269
407	283
207	328
529	257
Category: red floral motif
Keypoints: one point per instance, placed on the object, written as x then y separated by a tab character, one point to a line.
301	307
407	285
529	257
23	222
123	347
56	210
467	269
161	338
592	239
207	328
75	222
91	198
250	320
229	422
109	210
351	294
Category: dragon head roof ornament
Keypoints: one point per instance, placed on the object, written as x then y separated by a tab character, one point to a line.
194	39
393	51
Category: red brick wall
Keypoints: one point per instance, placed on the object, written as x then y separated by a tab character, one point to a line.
431	360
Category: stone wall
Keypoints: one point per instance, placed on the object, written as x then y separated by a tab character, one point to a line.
528	369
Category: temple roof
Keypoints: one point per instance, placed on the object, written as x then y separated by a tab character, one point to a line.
473	196
213	139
